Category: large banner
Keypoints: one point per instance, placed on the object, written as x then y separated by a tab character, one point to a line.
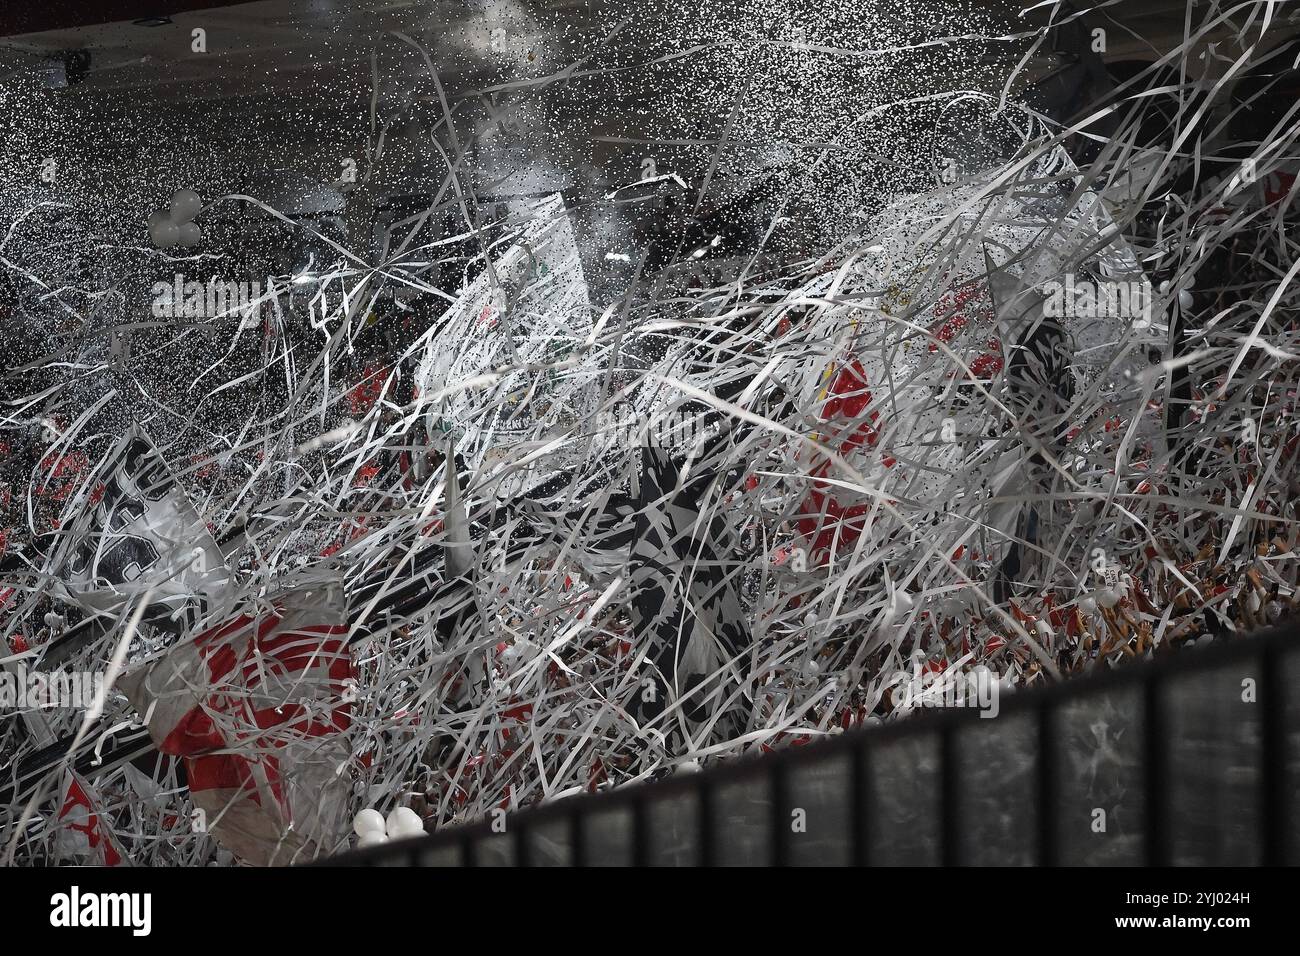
132	529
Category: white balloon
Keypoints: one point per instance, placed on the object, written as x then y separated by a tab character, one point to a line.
1185	299
165	235
158	218
371	838
368	820
186	204
190	234
404	822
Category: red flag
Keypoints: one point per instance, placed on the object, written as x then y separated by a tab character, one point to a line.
84	834
257	707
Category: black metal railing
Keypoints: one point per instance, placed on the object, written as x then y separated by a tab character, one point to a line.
1191	759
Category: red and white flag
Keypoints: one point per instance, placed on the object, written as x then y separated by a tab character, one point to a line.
84	835
257	708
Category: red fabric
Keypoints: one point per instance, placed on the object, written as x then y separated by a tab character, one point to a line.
240	656
97	836
362	397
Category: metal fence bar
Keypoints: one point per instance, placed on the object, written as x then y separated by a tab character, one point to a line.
1155	769
705	822
640	831
523	849
778	784
577	838
1274	816
1047	776
949	797
860	807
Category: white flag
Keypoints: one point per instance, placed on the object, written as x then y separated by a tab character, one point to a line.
528	314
